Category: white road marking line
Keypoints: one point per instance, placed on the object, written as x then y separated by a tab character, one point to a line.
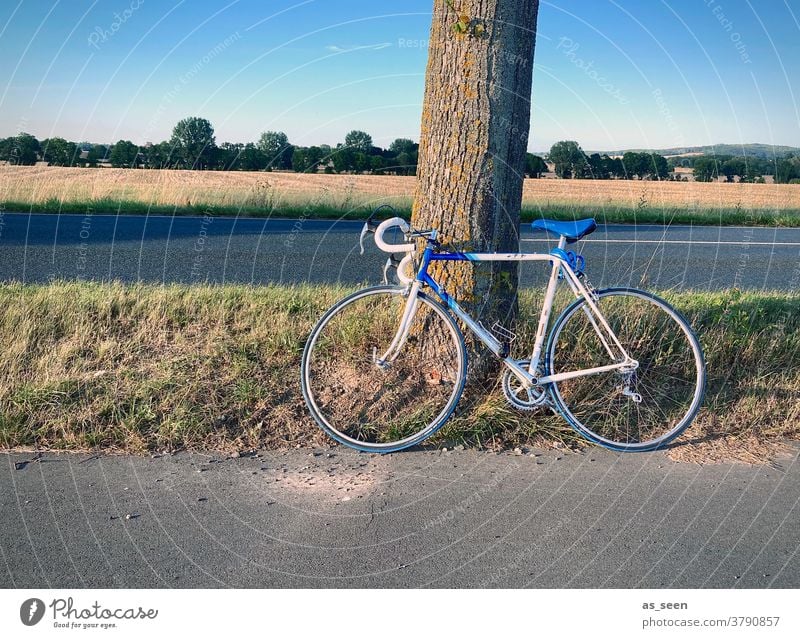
674	241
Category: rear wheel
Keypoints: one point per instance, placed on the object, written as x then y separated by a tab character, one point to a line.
383	408
636	410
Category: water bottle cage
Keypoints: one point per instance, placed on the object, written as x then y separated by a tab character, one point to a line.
576	262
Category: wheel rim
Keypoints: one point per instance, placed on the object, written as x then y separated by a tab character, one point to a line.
669	379
368	407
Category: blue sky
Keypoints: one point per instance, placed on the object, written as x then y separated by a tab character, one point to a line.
608	73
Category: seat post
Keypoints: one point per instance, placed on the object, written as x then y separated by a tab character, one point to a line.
562	242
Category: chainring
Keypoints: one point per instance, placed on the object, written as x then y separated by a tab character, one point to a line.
518	396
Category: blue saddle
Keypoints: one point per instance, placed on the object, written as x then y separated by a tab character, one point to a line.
573	231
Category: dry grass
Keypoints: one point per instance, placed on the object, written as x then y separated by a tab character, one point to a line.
140	368
49	188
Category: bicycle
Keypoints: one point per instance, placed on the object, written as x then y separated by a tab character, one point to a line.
385	367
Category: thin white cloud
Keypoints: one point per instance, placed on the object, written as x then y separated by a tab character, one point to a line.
335	48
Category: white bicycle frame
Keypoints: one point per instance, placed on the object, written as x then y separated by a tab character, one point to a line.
622	361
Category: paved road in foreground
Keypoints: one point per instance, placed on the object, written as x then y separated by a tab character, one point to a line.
36	248
336	518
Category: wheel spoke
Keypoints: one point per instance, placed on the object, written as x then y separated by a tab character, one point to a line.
369	407
667	378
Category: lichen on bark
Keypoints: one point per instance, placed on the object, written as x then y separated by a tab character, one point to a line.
474	137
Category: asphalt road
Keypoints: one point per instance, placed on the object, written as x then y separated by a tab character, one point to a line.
37	248
336	518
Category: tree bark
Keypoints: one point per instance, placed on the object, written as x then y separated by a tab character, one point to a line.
473	145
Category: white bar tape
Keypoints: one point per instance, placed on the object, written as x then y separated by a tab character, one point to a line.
393	248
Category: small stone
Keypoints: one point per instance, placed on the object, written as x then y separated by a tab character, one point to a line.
235	455
459	448
346	498
518	451
444	449
202	499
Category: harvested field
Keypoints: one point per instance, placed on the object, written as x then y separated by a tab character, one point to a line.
122	190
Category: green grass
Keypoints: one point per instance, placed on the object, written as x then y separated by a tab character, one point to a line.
142	368
607	214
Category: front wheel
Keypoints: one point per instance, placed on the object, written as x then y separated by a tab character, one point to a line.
383	407
635	410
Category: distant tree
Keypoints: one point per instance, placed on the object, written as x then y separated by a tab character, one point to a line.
344	159
23	150
658	167
376	164
635	165
359	141
787	170
227	156
402	157
160	155
59	152
598	167
403	145
569	159
734	167
706	169
193	143
300	160
535	166
124	154
360	162
307	160
616	168
252	159
276	148
96	153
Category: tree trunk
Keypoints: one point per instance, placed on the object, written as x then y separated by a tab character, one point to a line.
473	144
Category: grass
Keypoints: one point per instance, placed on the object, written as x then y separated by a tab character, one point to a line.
144	368
74	190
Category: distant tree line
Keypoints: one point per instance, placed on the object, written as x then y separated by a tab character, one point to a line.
785	170
192	145
570	161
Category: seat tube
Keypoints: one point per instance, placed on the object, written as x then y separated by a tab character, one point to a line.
547	307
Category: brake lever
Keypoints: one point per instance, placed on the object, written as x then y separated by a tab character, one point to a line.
392	262
370	226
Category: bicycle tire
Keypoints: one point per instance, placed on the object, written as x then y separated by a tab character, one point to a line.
566	395
333	383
